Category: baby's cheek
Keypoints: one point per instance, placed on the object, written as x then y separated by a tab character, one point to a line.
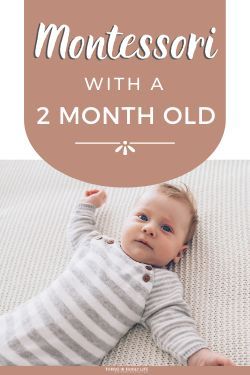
126	231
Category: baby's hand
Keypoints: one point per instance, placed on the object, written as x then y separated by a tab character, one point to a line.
206	357
95	197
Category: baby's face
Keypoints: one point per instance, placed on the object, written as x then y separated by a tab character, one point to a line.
155	231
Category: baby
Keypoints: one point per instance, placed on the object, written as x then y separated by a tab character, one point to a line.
108	287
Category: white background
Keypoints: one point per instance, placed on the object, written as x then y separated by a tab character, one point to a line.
13	141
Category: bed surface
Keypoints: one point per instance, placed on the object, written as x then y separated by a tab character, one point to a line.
35	205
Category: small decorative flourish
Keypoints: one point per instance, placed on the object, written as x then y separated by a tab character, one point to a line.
124	147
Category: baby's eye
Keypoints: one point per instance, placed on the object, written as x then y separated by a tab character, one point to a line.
143	217
167	228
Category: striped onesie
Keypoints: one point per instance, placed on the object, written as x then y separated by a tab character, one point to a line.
101	294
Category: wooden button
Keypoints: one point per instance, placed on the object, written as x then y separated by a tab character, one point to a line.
110	242
149	268
146	277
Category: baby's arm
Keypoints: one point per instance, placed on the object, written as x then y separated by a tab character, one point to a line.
83	224
174	331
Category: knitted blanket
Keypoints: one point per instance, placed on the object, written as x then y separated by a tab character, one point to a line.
35	205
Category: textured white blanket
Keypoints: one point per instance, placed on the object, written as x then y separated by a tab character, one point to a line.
36	202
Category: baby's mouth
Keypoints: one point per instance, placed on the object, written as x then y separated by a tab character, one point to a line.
145	243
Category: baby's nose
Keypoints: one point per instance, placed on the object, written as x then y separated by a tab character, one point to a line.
149	230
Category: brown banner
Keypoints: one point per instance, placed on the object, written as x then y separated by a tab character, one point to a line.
124	370
124	93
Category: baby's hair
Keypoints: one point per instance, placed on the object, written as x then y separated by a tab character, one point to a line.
183	194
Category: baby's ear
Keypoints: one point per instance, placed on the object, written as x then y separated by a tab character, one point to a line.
180	253
185	248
